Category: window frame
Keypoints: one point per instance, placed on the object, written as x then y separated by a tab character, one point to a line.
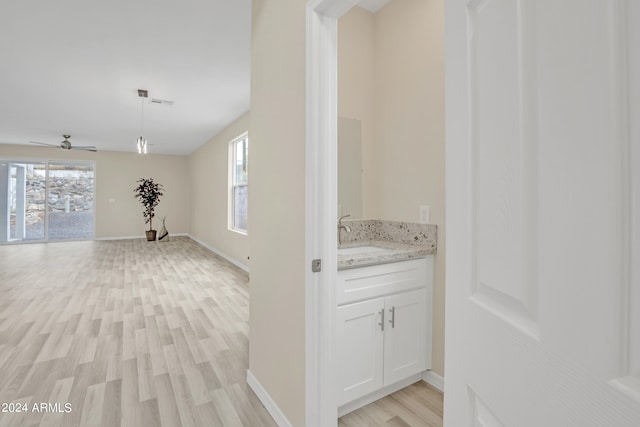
233	161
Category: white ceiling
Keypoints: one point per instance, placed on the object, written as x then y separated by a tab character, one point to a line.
373	5
74	66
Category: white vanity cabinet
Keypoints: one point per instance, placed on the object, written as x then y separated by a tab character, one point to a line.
360	349
385	338
405	335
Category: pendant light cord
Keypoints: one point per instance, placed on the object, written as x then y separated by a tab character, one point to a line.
142	118
142	142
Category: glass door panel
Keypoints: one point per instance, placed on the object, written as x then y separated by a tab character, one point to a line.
22	201
70	201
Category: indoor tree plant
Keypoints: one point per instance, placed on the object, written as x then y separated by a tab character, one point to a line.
149	192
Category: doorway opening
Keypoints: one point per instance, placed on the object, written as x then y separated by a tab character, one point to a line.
46	201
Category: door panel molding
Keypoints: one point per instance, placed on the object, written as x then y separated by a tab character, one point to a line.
625	62
503	109
628	14
480	414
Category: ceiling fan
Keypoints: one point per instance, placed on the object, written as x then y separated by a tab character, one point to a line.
66	145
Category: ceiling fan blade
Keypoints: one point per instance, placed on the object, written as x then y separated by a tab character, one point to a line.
84	147
44	143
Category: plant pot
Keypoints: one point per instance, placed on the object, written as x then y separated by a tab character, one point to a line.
151	235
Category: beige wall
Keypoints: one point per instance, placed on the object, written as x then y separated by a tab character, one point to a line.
410	124
209	182
118	213
398	54
277	203
356	92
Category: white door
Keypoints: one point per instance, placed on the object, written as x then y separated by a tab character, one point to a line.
359	348
543	213
405	335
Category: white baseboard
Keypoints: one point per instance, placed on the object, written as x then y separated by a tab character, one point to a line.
140	237
233	261
434	379
267	401
198	241
121	238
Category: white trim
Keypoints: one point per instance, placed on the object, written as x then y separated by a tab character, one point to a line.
273	409
139	237
243	135
622	131
232	260
120	238
433	379
331	9
239	231
231	164
321	195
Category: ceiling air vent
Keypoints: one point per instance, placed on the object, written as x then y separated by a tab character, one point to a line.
160	102
142	93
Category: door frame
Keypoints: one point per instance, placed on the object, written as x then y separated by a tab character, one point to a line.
21	197
321	195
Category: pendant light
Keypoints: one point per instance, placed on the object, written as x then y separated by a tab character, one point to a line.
142	142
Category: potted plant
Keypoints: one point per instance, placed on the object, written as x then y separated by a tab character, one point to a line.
149	192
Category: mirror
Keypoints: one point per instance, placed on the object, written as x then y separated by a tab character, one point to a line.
349	167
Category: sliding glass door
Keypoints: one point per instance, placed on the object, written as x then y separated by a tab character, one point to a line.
70	201
42	201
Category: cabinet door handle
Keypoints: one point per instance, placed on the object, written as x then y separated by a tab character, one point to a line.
393	317
382	320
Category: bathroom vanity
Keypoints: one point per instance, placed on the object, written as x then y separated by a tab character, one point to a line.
383	324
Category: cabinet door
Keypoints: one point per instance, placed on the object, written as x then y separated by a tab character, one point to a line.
359	348
405	346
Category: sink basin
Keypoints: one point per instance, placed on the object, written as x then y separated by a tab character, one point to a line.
361	250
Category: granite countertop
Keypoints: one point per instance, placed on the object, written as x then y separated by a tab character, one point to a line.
393	252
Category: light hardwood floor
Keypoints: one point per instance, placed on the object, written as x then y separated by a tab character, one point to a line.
129	333
136	333
419	405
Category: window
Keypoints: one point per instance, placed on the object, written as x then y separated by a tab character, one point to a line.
239	183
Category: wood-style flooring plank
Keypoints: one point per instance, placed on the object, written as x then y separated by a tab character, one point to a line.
93	404
129	333
419	405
